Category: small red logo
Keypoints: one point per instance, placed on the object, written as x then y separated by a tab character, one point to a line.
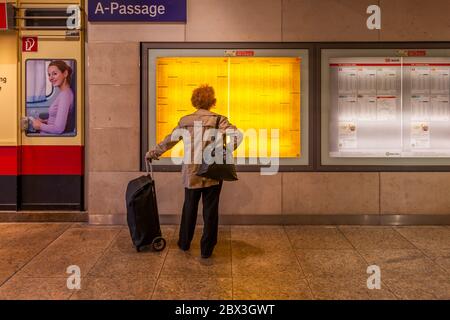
242	53
417	53
29	44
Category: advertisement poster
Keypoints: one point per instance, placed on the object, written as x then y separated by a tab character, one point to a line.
347	135
420	135
50	97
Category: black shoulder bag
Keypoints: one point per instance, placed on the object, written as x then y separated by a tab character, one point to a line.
218	171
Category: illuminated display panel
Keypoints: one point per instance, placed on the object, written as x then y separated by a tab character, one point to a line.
383	107
253	92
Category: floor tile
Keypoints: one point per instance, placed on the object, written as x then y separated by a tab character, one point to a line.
269	236
7	228
400	261
430	285
12	259
123	243
427	237
52	262
23	288
312	237
31	235
188	263
363	237
85	236
123	288
347	288
223	238
271	287
5	275
439	256
253	260
249	262
316	263
22	229
193	288
115	264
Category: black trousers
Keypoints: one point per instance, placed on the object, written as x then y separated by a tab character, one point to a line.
210	198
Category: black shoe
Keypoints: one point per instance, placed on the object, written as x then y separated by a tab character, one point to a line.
184	248
206	255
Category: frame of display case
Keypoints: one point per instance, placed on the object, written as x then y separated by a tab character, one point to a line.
347	165
145	105
315	129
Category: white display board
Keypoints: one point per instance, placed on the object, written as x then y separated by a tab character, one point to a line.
389	107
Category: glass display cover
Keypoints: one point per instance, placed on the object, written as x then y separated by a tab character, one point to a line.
389	107
253	92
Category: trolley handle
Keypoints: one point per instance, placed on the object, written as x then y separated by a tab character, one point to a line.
148	163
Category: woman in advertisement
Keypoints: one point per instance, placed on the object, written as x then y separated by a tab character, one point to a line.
59	75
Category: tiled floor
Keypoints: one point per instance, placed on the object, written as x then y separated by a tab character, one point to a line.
250	262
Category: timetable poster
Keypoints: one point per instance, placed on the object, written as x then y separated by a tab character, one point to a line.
365	108
426	106
257	94
396	106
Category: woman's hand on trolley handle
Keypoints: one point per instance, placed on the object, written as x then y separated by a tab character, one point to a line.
151	155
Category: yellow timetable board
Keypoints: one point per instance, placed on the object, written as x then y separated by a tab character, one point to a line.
253	92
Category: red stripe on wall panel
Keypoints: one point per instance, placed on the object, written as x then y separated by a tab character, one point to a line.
365	64
52	160
9	161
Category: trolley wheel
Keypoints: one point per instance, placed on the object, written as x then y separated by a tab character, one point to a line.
158	244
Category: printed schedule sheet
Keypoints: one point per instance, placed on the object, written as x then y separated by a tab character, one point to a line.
389	106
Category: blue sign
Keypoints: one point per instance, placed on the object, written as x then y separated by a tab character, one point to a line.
137	10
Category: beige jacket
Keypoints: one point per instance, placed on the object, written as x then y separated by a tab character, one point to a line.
208	120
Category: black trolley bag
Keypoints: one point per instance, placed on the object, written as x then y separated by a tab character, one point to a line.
142	212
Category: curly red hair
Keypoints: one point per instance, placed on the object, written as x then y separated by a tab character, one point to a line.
203	97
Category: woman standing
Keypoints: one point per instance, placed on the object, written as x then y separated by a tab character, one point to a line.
195	186
59	75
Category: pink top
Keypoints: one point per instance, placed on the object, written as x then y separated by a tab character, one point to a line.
58	113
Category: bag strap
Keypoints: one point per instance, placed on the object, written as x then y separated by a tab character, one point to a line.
217	122
213	138
217	127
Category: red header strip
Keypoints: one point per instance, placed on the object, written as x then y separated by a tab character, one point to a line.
52	160
41	160
9	161
364	64
427	64
389	64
